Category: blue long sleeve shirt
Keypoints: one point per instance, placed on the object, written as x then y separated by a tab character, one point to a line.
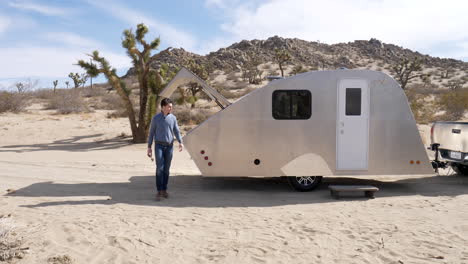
163	129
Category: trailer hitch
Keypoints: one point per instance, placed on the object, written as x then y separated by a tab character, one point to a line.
436	163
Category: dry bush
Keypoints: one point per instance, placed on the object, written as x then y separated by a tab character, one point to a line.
43	93
191	117
65	259
67	102
228	94
112	102
117	114
91	92
237	86
13	102
10	243
232	76
423	111
455	104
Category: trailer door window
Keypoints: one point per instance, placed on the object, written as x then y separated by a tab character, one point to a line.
292	104
353	101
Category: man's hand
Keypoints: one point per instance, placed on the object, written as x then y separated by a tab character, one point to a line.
150	153
181	147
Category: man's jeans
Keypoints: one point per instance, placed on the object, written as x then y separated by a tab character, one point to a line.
163	164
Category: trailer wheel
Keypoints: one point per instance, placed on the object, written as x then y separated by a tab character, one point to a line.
460	168
305	183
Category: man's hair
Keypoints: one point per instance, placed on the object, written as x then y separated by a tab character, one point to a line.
165	102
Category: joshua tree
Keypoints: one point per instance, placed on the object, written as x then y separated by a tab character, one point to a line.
190	96
250	71
20	87
78	79
67	83
281	57
406	70
55	84
148	78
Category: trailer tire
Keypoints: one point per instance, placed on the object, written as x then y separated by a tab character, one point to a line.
460	168
304	184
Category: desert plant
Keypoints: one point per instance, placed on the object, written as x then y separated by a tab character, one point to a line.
281	57
191	117
455	104
78	79
148	78
190	95
455	84
250	71
67	102
298	69
422	110
67	83
10	243
13	101
406	70
55	84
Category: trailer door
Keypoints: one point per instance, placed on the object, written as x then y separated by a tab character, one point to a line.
352	125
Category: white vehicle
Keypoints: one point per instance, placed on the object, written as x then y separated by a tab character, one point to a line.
450	141
320	123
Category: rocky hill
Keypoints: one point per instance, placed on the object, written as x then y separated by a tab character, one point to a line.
363	54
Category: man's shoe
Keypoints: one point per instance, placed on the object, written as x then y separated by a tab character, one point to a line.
159	196
165	194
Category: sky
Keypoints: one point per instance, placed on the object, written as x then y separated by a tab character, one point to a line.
42	40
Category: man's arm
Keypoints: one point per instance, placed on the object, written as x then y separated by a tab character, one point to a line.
151	135
177	134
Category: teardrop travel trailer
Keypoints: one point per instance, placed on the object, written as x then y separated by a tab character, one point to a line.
319	123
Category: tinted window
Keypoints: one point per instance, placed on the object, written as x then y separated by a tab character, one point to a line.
292	104
353	101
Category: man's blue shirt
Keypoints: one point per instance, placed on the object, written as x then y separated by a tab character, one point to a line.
163	129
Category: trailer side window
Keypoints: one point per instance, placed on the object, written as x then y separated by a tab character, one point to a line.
353	101
292	104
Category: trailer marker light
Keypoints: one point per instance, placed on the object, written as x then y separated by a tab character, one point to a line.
202	152
209	163
418	162
411	162
206	157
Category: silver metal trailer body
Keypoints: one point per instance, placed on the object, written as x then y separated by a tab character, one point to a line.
360	124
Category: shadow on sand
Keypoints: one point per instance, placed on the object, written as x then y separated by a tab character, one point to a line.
198	191
72	144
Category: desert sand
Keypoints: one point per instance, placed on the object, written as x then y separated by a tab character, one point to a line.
77	188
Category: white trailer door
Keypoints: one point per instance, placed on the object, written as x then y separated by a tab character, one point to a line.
352	138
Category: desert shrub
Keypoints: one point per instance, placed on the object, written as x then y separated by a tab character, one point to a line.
232	76
190	116
10	243
228	94
112	102
237	86
43	93
13	102
423	110
455	104
65	259
91	92
67	102
117	113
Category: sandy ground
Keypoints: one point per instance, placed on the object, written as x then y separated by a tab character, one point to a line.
83	191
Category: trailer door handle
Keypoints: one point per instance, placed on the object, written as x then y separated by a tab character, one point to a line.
456	131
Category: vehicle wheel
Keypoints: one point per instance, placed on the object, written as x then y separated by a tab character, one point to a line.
305	183
460	168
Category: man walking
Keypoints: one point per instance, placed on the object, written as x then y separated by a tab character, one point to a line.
162	131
